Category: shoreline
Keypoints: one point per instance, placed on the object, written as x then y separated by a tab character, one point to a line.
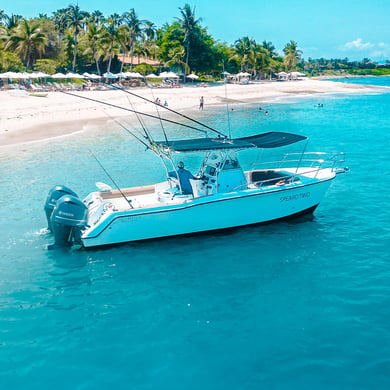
30	119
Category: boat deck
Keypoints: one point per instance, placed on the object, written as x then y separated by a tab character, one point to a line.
161	194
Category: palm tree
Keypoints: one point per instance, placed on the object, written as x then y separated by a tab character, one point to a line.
75	20
69	43
260	59
292	55
9	21
115	20
3	18
93	40
149	45
177	56
134	29
271	49
110	39
59	18
244	49
27	40
97	18
189	25
149	30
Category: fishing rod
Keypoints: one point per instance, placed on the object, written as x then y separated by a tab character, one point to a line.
167	108
162	125
157	151
130	132
141	122
113	181
134	111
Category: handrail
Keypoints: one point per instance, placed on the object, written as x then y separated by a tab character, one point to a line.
308	163
308	158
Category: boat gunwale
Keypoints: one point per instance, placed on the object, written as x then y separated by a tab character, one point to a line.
194	202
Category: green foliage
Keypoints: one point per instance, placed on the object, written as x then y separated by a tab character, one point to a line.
83	41
144	69
10	61
381	72
370	72
344	67
169	38
205	54
46	65
48	28
292	55
27	40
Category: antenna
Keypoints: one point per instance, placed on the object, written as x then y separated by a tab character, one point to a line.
227	102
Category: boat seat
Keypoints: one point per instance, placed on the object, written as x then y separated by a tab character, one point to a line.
270	177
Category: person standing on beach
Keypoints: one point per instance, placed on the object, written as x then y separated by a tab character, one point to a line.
201	103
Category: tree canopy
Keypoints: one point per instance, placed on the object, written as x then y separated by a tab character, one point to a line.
78	40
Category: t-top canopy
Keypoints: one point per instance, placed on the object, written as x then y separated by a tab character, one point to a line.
263	141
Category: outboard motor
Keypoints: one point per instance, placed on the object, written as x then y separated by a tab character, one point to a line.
69	217
54	194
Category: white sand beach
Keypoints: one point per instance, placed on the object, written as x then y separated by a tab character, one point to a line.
25	118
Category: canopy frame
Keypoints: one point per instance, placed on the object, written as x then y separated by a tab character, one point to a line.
268	140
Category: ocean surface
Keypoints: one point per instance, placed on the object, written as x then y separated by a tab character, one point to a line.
301	305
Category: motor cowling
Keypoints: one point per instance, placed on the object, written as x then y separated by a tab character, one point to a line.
54	194
69	217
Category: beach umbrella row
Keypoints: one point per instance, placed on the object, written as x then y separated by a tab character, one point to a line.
38	75
69	75
23	75
136	75
123	75
86	75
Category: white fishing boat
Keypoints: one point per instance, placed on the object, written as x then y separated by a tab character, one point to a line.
221	195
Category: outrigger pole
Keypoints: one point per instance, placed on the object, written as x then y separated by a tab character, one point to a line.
131	133
136	112
167	108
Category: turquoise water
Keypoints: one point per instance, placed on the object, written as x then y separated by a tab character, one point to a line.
289	305
367	80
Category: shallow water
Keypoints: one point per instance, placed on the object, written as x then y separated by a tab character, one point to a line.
301	304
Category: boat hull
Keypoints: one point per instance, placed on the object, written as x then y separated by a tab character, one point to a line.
219	211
